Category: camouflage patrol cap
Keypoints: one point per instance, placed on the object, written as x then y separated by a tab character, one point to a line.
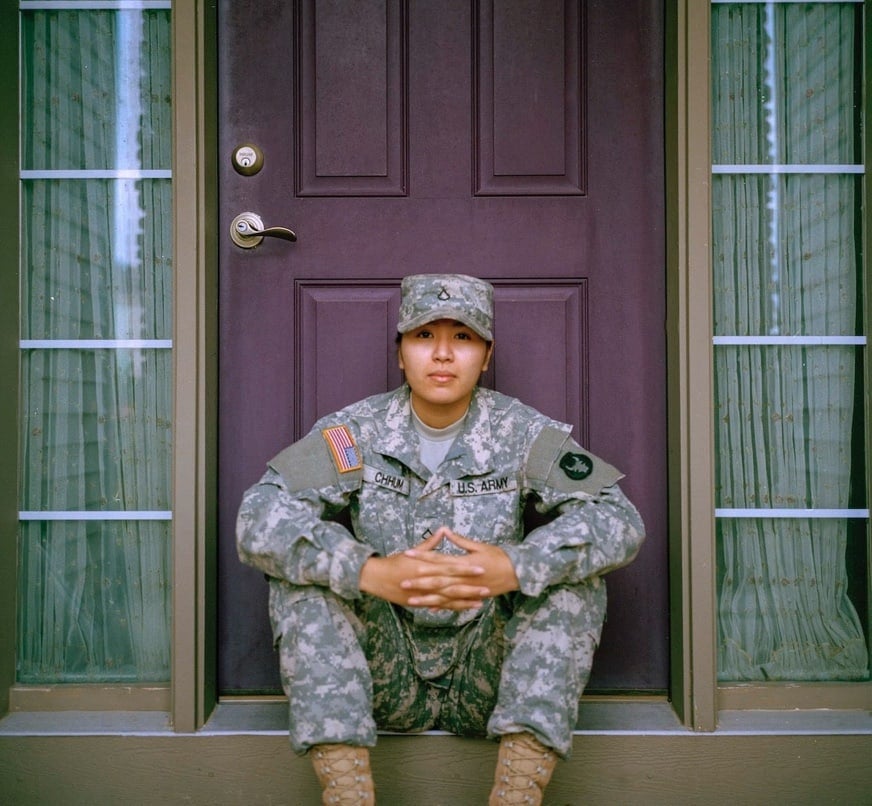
428	297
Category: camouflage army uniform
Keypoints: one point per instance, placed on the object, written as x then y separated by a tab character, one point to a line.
351	662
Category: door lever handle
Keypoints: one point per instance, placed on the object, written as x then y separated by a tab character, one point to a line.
247	231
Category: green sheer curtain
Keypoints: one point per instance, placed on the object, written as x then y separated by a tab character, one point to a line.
94	602
787	264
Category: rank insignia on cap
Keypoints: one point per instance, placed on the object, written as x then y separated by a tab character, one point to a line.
576	465
345	453
443	294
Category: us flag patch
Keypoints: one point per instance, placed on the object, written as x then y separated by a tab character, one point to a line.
342	446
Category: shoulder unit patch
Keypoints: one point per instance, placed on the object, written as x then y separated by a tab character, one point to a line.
342	446
576	465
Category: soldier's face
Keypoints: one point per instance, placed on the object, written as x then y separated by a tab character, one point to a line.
443	361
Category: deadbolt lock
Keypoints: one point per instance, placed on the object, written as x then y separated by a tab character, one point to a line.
247	159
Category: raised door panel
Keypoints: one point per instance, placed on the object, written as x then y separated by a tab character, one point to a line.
351	95
346	346
529	97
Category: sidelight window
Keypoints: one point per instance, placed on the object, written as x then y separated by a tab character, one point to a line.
789	342
96	330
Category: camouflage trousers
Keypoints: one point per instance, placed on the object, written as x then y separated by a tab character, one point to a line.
352	667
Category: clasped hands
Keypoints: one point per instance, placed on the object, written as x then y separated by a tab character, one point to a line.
424	577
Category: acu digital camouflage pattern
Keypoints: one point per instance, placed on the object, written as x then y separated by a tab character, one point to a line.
428	297
351	662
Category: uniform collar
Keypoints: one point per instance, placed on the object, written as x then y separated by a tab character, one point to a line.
471	454
395	436
472	451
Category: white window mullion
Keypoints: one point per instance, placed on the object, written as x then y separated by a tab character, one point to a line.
101	515
726	512
93	5
96	344
97	173
794	2
802	341
787	169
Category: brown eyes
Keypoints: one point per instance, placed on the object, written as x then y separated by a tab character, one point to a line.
428	334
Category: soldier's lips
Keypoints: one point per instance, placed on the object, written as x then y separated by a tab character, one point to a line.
441	377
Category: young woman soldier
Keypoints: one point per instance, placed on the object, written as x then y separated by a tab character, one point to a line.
437	611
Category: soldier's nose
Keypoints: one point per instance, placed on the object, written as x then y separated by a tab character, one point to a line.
442	351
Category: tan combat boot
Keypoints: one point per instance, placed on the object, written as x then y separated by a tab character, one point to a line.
524	768
344	773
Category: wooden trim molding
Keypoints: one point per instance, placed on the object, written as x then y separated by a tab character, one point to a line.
9	353
195	372
784	696
258	767
690	365
96	697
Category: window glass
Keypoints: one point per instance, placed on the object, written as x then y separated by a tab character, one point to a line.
785	87
784	427
96	430
99	259
96	89
787	259
787	609
94	601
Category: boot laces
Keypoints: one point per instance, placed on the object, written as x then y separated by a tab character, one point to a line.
344	775
526	769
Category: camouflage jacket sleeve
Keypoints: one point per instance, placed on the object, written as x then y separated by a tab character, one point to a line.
283	527
595	528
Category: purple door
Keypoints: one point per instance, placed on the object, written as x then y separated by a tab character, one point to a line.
520	141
